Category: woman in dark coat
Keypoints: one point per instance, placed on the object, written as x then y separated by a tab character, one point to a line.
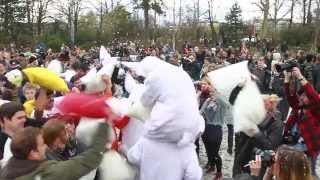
268	137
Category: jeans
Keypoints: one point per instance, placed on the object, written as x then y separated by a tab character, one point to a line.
212	138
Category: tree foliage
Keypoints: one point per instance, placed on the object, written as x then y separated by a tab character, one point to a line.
233	30
12	12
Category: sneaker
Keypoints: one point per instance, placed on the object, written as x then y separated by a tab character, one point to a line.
218	176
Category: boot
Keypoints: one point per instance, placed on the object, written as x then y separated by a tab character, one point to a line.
218	176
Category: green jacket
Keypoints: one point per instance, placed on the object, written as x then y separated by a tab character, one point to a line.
71	169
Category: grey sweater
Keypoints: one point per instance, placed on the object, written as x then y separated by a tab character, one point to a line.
214	111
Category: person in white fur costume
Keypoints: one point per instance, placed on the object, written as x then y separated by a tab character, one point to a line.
170	92
167	150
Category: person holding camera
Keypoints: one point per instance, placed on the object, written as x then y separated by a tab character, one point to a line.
287	164
304	117
267	137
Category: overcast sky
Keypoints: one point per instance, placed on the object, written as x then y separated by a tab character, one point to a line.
220	8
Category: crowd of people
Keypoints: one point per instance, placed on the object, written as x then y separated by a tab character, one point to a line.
38	141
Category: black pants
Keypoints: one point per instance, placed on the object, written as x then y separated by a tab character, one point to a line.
230	136
197	143
212	138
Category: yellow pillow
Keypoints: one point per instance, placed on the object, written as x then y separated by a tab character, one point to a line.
28	107
46	78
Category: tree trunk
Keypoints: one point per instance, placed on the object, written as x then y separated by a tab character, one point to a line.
146	23
317	24
291	13
180	12
71	22
6	19
155	26
213	32
112	4
99	32
309	16
275	18
304	10
39	28
29	6
265	19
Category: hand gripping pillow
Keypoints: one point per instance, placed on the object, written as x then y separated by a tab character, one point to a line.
136	108
93	81
113	165
29	107
46	78
80	104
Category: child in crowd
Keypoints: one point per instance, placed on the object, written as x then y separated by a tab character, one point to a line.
29	91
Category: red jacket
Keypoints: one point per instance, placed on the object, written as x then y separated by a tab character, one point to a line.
309	126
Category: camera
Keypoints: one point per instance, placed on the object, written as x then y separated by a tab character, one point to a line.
267	156
287	66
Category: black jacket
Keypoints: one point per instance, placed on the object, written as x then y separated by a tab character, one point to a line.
316	77
269	138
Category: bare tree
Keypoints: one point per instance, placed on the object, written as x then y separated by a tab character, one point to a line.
102	9
309	15
304	11
30	14
180	12
317	24
293	4
264	6
41	11
210	12
278	5
70	9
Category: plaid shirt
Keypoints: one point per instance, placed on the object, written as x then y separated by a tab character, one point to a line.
308	120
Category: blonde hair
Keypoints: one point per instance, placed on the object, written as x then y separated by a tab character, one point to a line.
207	80
271	97
293	164
28	86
